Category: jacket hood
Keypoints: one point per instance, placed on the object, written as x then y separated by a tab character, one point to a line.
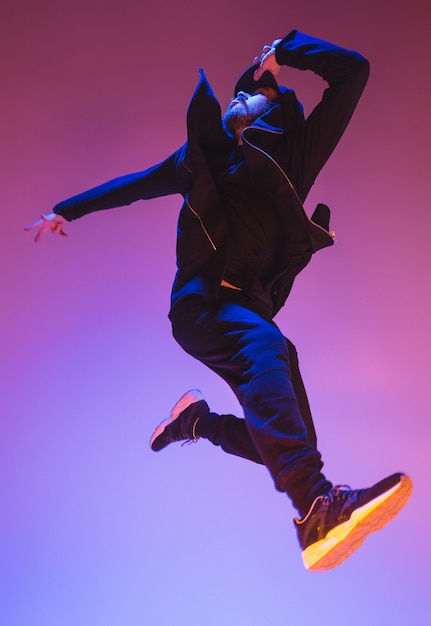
247	83
290	112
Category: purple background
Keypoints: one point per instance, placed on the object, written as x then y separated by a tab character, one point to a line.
94	527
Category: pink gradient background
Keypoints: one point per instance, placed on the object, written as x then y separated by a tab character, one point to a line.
94	527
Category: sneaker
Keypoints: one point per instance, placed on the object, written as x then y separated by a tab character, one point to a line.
337	524
181	424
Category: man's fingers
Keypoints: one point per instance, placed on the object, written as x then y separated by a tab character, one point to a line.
50	222
260	70
39	234
266	60
33	225
266	51
42	220
58	230
258	73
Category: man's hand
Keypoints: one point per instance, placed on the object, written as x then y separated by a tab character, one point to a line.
52	222
267	61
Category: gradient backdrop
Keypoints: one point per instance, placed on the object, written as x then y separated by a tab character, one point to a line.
95	529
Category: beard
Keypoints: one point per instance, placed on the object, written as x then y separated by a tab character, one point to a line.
234	122
238	116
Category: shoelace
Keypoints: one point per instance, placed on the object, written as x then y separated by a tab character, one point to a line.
187	442
194	437
336	492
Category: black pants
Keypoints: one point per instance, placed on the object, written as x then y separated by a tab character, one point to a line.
261	366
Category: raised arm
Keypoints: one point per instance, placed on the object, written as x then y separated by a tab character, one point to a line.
346	73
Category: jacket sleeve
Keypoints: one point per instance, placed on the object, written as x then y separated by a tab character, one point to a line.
168	177
346	73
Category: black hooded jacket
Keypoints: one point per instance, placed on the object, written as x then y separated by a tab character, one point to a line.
283	152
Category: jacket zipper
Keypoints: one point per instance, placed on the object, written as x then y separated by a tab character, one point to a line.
275	163
208	236
331	233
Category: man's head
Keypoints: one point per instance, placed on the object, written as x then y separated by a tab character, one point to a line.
236	118
247	107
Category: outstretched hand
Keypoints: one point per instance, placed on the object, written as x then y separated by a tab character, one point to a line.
51	222
267	60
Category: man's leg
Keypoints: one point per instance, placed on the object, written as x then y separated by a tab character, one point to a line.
301	394
231	433
261	368
253	357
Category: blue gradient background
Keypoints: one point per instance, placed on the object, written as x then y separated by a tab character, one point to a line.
95	529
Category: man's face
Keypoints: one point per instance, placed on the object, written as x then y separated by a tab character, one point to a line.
245	108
